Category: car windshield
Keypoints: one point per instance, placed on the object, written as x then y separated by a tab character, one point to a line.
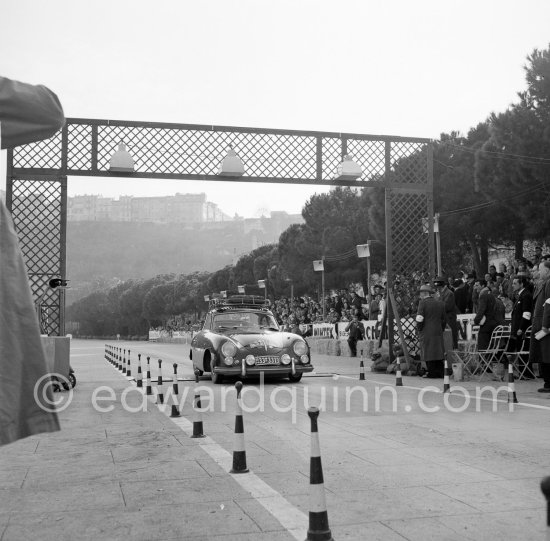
245	321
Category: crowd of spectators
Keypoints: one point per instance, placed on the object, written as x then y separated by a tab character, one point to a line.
343	304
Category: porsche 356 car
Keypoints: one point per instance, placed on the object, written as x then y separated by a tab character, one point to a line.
240	337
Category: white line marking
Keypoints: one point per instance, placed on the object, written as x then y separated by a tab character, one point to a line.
291	518
526	404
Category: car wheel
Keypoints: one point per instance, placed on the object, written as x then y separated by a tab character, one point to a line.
72	380
295	378
216	378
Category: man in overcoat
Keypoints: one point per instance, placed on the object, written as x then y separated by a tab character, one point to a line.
451	311
431	322
521	316
539	350
486	316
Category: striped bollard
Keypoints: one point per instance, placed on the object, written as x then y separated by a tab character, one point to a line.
197	420
160	385
129	368
124	363
239	452
361	368
139	376
175	412
117	363
398	377
148	389
446	384
545	487
318	529
512	398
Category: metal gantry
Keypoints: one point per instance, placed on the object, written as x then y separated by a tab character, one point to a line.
37	181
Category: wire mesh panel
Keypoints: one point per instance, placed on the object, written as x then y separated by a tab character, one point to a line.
195	152
38	216
409	247
161	150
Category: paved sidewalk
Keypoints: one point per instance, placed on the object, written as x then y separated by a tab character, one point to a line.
121	475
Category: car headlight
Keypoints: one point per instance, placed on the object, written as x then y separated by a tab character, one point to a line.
304	359
229	349
285	359
250	360
300	347
228	361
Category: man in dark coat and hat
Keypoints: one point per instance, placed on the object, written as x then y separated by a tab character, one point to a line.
431	322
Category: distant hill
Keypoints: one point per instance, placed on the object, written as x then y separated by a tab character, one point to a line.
99	254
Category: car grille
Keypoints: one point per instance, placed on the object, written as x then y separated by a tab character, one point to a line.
267	359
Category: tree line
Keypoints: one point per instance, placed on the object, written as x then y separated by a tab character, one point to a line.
490	188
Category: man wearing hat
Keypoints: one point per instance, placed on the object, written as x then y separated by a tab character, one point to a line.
448	298
431	322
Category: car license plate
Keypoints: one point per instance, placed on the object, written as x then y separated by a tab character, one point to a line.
267	360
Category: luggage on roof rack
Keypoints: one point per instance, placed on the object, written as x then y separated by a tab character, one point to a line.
255	300
240	301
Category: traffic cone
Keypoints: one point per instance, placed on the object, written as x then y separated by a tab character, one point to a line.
545	487
446	384
197	421
511	385
239	452
139	376
129	368
318	517
175	412
398	378
361	368
148	389
160	387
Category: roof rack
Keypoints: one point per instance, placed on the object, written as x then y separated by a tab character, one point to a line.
240	301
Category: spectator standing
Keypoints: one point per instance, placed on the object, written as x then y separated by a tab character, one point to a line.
461	296
355	329
521	317
537	259
486	316
431	322
470	280
448	298
539	350
356	300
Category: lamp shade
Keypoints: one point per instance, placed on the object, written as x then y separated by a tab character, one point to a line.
231	166
363	250
348	169
318	265
121	161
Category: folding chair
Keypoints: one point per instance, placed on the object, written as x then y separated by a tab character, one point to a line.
520	360
467	357
490	357
480	361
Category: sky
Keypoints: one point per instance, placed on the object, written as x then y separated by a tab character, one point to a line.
393	67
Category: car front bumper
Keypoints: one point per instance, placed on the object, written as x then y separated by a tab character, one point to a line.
280	370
